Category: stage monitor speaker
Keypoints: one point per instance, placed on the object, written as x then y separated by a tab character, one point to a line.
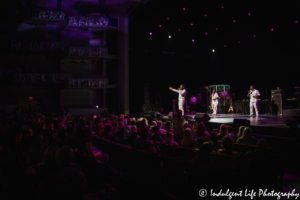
242	122
277	98
202	117
188	118
155	114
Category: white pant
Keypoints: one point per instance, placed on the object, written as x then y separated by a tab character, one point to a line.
253	103
214	106
181	106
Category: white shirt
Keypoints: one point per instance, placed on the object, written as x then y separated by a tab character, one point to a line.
181	94
254	93
213	98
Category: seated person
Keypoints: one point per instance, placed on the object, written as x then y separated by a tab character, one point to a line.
120	138
169	126
201	132
204	156
247	137
213	142
169	139
159	124
132	136
230	131
227	146
222	132
241	130
188	140
149	147
140	141
156	135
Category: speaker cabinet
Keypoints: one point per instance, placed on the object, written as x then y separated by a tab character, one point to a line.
278	101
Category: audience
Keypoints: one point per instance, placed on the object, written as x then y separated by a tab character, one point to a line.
188	140
201	132
222	132
55	168
156	135
247	137
213	142
241	130
140	141
169	139
227	146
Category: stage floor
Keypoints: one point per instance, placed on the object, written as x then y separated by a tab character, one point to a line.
275	121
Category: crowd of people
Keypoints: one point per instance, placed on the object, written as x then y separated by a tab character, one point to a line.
51	164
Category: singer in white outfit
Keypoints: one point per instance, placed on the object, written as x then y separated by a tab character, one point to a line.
214	101
181	97
253	94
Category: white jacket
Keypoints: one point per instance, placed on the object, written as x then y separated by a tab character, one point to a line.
181	94
254	93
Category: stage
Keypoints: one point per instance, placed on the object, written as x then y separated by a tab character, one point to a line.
266	125
275	121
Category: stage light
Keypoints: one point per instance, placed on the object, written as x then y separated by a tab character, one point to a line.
30	98
239	42
205	15
224	45
222	7
272	29
183	9
213	50
249	14
97	106
205	33
233	20
193	40
178	29
296	21
192	24
254	35
159	25
216	29
169	36
150	33
168	18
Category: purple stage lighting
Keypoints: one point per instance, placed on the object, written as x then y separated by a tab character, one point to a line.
183	9
216	29
239	42
296	21
159	25
168	18
222	7
178	29
192	24
224	45
150	33
272	29
205	33
254	35
233	20
205	15
249	14
193	40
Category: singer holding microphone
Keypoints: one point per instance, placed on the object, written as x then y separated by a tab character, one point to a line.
214	101
181	97
253	94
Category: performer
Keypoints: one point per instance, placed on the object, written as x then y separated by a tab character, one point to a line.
253	94
181	97
214	101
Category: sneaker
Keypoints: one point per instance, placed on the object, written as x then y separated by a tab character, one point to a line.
251	115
